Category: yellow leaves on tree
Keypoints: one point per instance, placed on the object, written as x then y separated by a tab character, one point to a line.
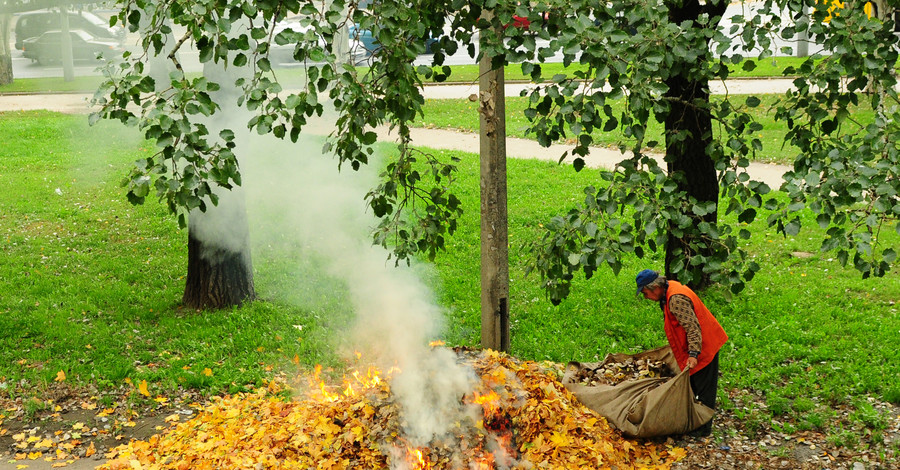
364	430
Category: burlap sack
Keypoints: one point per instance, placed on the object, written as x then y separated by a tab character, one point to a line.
644	407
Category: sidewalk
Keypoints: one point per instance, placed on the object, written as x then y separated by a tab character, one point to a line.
463	141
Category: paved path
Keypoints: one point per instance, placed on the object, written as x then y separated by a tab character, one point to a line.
463	141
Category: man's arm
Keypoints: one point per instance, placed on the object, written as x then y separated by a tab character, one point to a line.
683	310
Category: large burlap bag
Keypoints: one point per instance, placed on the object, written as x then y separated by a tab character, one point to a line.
643	407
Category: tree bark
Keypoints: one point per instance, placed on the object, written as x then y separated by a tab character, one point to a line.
494	230
219	273
688	135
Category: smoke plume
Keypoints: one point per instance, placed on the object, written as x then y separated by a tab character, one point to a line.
294	191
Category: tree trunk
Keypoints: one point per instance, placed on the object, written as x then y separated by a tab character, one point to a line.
688	135
6	72
219	271
494	230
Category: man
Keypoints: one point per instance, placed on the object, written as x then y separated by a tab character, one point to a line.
693	333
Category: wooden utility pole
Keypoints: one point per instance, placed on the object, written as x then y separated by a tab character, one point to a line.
494	234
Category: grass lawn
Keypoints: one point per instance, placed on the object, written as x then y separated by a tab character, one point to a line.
90	285
290	76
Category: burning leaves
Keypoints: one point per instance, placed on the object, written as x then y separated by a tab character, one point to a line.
516	417
614	373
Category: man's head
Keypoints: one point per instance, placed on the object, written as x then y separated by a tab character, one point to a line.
651	284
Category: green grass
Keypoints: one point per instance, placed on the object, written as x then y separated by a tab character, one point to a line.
91	285
52	85
292	76
766	68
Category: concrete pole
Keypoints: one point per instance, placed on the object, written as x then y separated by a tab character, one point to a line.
803	36
494	232
65	42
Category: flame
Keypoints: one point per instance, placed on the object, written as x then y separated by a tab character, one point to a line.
485	462
320	392
416	459
437	343
490	402
356	383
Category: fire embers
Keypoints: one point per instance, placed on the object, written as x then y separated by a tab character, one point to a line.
614	373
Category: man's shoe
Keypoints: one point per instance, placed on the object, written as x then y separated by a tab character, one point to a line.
702	431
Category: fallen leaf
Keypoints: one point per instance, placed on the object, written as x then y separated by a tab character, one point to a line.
207	372
91	450
143	388
60	376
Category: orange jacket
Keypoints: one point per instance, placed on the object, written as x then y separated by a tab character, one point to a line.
713	334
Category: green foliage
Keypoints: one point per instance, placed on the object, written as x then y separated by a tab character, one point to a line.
657	60
416	213
844	171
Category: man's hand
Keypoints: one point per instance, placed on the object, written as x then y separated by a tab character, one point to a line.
691	362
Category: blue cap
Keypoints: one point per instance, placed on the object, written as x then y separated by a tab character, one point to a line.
645	277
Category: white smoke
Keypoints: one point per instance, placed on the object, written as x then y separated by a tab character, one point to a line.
294	191
304	195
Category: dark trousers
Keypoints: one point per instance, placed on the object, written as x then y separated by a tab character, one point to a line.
705	384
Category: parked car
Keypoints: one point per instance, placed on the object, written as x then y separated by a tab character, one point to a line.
32	25
47	47
363	44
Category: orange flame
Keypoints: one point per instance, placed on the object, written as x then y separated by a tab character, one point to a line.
357	382
489	401
437	343
417	460
484	463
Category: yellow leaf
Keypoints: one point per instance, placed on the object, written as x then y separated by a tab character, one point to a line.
143	388
20	466
296	359
19	437
677	453
35	455
91	450
207	372
560	440
60	376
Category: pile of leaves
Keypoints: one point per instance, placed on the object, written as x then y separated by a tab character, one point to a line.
614	373
541	422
